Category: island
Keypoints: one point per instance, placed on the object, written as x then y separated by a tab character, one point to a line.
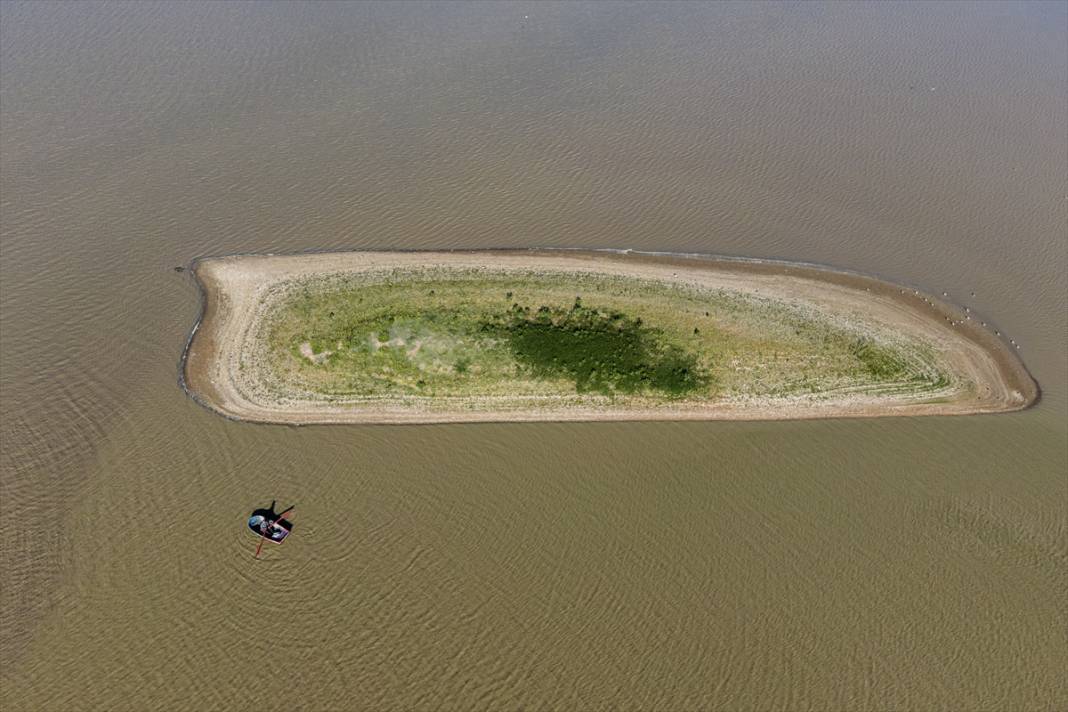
563	335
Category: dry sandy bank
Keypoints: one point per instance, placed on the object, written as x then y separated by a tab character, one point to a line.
234	290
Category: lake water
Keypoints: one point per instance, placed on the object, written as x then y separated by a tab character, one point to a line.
902	563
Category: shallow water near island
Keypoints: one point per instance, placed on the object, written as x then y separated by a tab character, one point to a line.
885	564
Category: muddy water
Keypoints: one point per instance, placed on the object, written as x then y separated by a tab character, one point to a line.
896	563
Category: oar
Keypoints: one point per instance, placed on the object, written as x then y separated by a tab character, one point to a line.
259	546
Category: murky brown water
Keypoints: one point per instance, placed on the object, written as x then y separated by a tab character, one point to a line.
887	564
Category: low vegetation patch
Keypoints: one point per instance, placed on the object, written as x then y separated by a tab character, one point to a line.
606	352
881	362
475	334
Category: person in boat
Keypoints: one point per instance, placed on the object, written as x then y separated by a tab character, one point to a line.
259	522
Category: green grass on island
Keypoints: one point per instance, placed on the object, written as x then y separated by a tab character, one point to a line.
454	334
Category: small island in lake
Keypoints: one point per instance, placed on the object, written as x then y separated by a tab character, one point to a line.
421	337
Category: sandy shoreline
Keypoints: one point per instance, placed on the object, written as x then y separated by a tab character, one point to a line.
233	288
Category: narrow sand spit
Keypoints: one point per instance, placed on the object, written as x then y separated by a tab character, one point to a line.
235	289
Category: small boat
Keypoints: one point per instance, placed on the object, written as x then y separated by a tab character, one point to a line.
270	525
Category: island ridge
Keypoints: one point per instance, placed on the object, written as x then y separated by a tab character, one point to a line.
419	337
